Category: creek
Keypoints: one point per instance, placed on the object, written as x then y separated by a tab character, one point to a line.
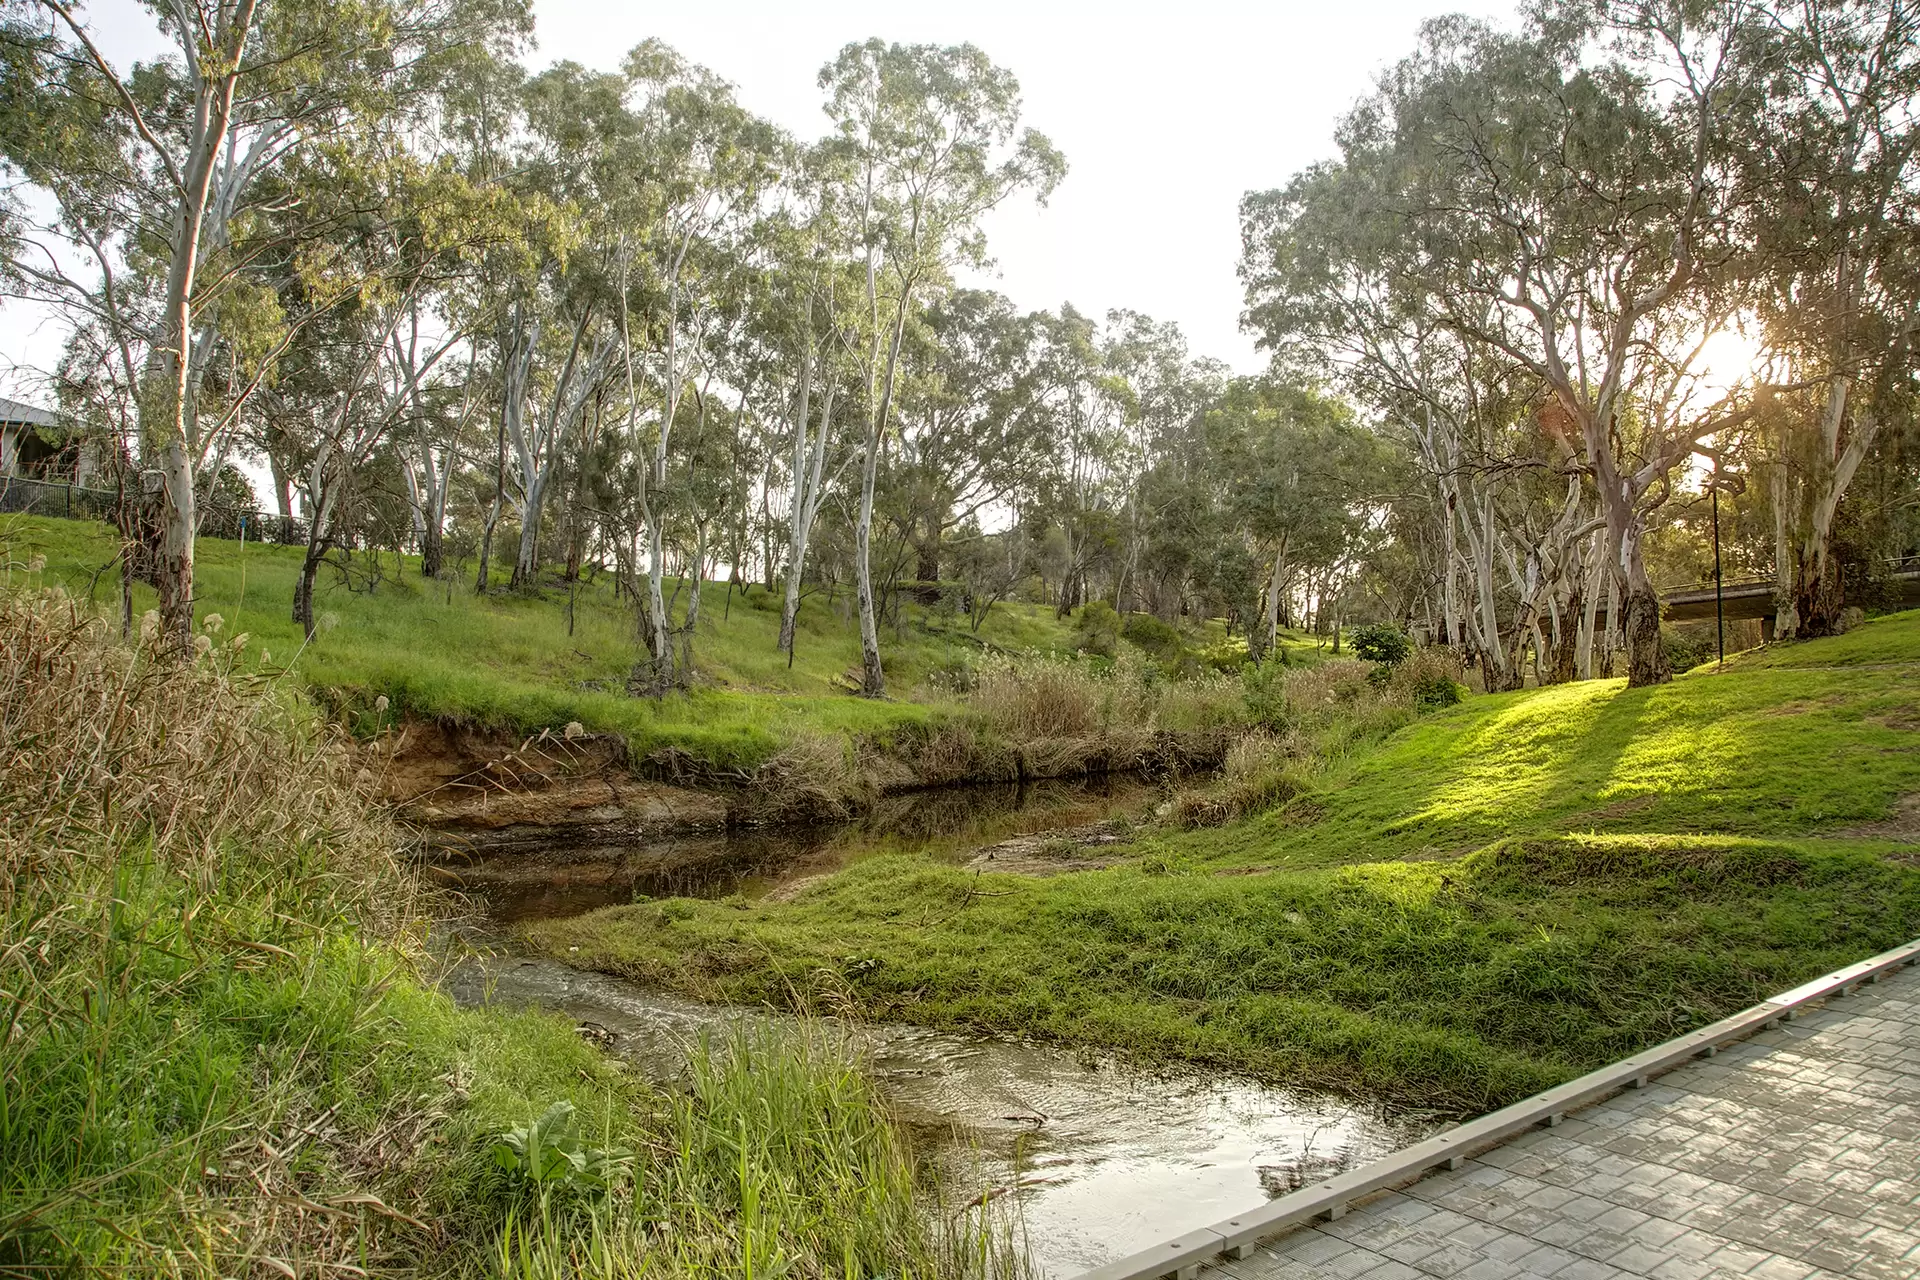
1099	1156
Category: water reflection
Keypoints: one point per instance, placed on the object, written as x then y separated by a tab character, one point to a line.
1102	1158
574	876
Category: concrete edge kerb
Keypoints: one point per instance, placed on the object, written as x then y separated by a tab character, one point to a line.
1233	1237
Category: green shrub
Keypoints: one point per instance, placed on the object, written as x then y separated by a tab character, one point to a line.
1263	691
1688	647
1158	638
1381	642
1096	629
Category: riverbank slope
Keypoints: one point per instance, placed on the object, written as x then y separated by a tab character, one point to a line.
1497	897
224	1054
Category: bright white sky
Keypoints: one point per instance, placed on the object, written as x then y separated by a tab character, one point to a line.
1167	114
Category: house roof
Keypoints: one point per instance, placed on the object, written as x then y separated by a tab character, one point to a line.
12	413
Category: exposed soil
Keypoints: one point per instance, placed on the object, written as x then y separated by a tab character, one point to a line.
481	790
487	790
1051	853
1903	826
1623	808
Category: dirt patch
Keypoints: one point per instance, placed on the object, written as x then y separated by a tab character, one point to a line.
1050	853
489	789
1804	706
1904	825
1907	719
1624	808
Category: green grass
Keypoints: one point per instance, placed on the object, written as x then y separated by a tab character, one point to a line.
509	661
221	1052
1759	751
1497	897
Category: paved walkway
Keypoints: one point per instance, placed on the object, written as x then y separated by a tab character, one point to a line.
1793	1154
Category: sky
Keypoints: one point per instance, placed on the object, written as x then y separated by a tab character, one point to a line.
1167	114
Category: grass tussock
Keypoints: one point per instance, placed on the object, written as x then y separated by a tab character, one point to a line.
1311	718
1262	769
222	1057
778	1160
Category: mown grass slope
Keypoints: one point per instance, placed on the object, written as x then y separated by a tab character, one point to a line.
523	662
1497	897
1794	739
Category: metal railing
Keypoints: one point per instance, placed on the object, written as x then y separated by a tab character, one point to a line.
23	494
53	498
1235	1237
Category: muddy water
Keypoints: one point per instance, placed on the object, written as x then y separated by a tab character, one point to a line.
1099	1157
570	878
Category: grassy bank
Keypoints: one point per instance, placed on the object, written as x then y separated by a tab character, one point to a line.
523	662
223	1055
1495	898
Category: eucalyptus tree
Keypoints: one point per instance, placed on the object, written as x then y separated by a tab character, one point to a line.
821	338
156	178
697	167
1081	498
1564	200
1301	481
356	376
1832	167
1334	291
437	432
928	141
972	436
1161	389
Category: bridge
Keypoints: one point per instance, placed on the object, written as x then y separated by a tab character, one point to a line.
1753	597
1781	1142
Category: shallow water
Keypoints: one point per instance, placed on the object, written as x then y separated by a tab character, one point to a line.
1101	1158
570	877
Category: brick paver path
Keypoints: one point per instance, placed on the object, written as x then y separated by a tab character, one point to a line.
1791	1155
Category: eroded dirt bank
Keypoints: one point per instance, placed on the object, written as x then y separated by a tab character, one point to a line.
483	790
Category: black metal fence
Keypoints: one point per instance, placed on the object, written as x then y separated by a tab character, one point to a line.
77	502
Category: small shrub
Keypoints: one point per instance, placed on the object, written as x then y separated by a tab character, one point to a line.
1429	680
551	1153
1096	630
1688	647
1158	638
1263	694
1381	642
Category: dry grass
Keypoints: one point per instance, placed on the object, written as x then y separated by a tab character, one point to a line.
1316	714
171	831
100	741
218	1057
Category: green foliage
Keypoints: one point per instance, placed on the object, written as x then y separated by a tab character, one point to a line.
1160	639
1380	642
512	661
1263	690
1501	895
1096	629
1689	647
226	1017
1431	692
550	1152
